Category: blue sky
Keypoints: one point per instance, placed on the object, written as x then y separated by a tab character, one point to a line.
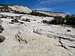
50	5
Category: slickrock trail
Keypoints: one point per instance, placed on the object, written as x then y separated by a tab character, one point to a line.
30	37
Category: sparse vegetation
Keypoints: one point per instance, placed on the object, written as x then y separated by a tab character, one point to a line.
39	14
70	20
27	20
57	20
15	20
45	21
19	38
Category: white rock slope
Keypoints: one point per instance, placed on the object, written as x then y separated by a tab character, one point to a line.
34	38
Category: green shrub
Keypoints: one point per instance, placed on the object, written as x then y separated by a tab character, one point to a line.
70	20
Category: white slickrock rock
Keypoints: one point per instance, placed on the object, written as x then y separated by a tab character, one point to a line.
35	38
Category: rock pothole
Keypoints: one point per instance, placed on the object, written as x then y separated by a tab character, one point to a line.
2	38
1	29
